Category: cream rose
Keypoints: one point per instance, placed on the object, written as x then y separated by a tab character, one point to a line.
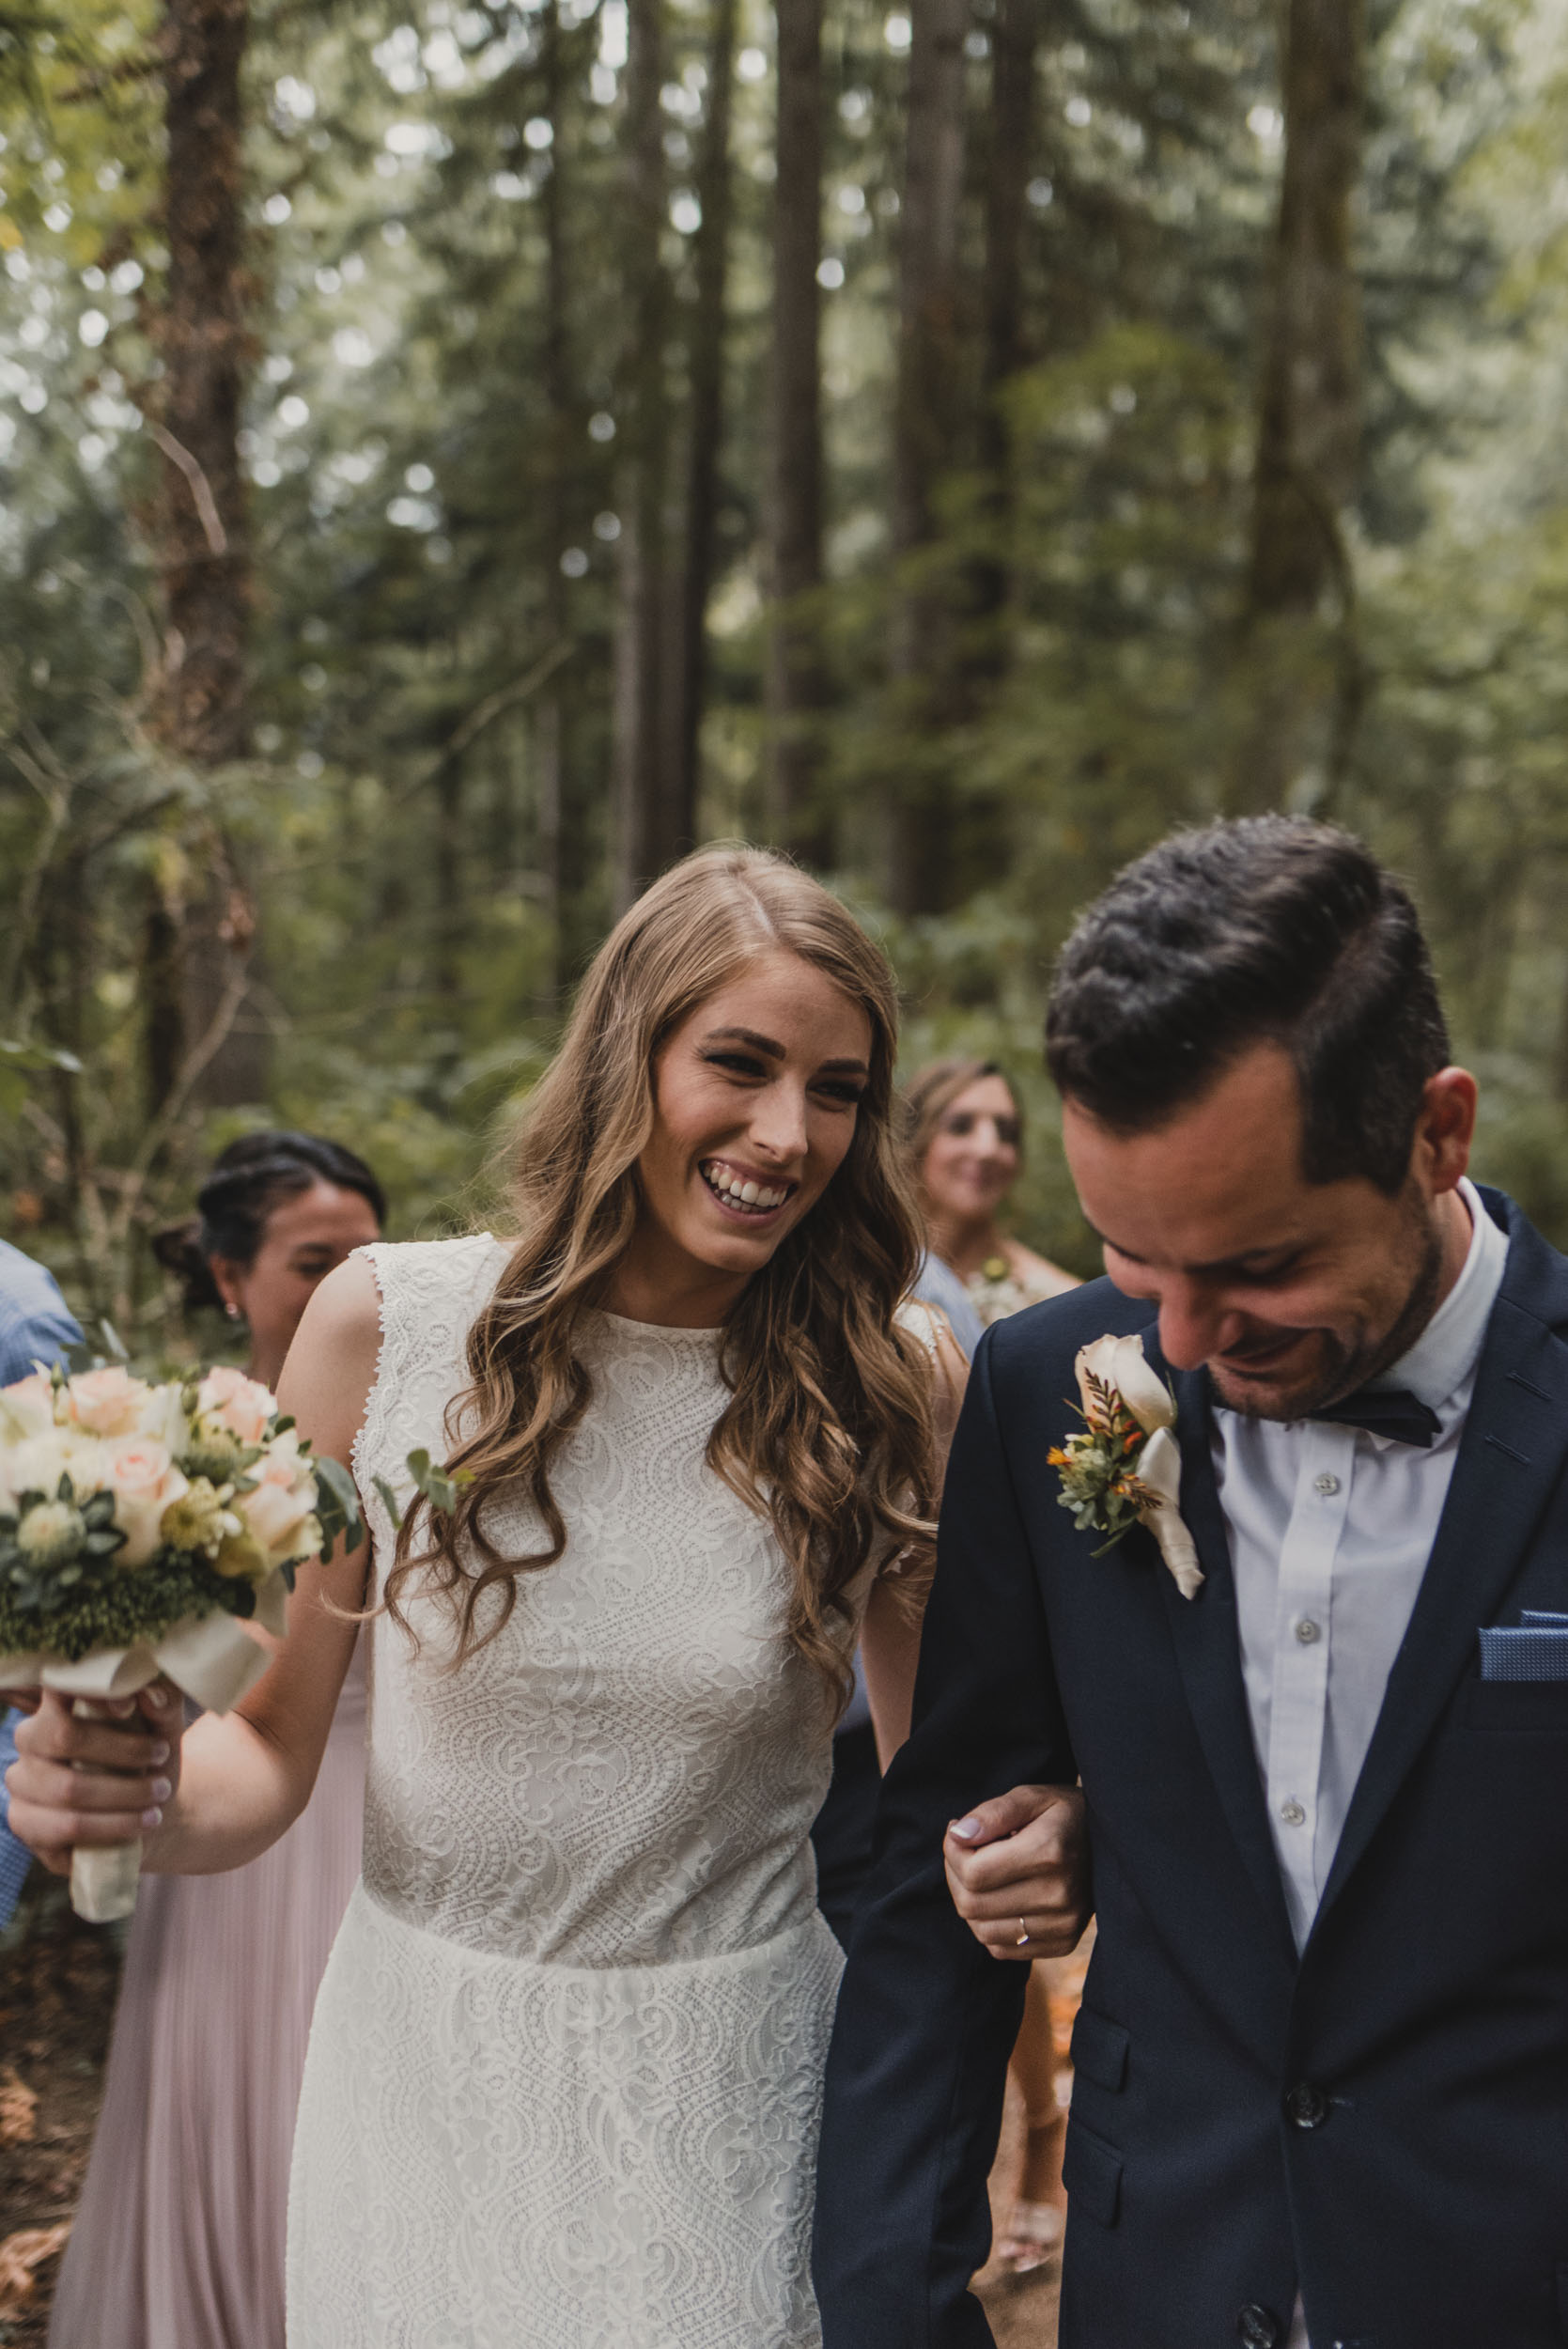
274	1515
144	1481
36	1465
241	1406
1119	1362
163	1418
107	1402
27	1408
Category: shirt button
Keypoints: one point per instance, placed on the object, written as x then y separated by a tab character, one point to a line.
1256	2327
1292	1813
1307	2106
1328	1483
1305	1631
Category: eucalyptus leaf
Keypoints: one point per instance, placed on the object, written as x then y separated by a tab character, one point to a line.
337	1505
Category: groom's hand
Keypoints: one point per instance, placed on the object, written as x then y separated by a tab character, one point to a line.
1019	1866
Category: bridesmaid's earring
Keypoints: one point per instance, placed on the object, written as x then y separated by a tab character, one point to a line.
232	1309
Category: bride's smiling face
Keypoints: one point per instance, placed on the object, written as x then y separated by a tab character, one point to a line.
756	1095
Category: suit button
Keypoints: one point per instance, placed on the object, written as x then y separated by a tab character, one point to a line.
1256	2327
1307	2106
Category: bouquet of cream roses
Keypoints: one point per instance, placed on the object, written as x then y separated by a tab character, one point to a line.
140	1525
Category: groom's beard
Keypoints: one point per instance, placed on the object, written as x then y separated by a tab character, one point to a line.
1341	1369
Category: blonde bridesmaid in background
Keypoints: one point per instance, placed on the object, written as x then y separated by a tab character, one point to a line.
966	1142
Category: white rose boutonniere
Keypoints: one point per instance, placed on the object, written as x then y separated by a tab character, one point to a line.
1125	1468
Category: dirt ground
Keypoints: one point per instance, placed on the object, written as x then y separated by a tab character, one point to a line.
58	1979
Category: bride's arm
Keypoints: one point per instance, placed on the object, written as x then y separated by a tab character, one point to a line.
890	1637
240	1779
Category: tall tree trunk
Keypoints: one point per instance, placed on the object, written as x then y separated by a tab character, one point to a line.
549	729
201	531
447	872
1303	670
644	839
924	437
796	678
704	434
1015	31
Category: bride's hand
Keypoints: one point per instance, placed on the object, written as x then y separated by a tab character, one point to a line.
1018	1869
99	1777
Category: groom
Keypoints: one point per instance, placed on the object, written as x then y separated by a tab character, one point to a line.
1321	2069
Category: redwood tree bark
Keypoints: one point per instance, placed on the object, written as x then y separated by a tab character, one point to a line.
1015	30
551	728
645	836
200	528
1305	684
925	432
705	433
796	683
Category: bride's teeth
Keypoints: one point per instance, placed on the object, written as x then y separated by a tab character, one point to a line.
740	1191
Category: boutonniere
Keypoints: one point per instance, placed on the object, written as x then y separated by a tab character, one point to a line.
1123	1468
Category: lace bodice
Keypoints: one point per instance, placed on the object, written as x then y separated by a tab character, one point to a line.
628	1773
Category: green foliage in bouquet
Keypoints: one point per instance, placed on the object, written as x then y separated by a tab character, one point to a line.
61	1593
128	1507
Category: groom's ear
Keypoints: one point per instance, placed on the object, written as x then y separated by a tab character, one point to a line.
1445	1128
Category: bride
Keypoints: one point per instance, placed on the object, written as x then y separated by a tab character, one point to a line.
565	2065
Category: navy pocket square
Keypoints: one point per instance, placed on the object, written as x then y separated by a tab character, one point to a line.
1537	1651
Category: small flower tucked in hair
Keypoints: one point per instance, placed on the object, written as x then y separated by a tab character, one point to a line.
1124	1468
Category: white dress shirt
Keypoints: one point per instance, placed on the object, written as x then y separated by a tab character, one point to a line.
1330	1530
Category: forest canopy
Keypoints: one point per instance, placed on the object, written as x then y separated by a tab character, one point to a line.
456	457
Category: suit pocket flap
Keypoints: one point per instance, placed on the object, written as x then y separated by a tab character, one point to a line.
1092	2173
1099	2049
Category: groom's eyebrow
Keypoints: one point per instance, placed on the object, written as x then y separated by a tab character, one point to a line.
1221	1264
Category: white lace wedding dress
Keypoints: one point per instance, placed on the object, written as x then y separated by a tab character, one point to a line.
564	2072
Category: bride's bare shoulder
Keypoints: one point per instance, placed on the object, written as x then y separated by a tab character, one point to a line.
338	1341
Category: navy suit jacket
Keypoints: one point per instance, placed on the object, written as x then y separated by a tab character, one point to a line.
1382	2122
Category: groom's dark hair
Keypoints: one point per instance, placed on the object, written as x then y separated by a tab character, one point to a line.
1272	928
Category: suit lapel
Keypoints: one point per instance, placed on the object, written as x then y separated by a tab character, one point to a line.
1510	1458
1208	1652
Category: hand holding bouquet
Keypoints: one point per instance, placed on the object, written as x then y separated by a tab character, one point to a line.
140	1525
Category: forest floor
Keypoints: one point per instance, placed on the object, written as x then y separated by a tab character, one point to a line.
59	1980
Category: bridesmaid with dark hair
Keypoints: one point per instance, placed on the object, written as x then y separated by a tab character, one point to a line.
178	2242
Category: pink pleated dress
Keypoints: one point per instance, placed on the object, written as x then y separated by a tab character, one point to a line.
179	2240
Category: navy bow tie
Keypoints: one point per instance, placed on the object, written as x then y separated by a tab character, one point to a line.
1386	1411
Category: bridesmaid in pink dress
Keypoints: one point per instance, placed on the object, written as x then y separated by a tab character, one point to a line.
179	2241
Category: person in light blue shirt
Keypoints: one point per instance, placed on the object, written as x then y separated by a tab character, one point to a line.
937	1284
36	1326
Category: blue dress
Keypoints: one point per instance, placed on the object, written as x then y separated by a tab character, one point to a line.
35	1325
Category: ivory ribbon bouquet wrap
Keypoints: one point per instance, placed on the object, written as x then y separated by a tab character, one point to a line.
140	1526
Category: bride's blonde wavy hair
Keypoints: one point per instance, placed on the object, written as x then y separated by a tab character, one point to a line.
827	1430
